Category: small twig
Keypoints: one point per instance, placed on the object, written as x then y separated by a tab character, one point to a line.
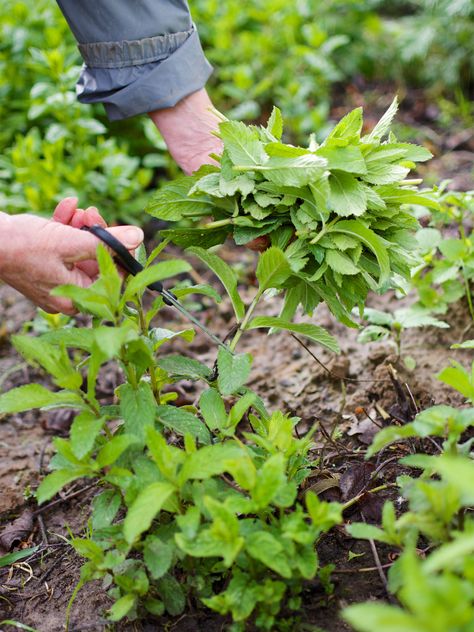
355	499
334	375
415	406
56	563
44	534
378	563
368	569
63	500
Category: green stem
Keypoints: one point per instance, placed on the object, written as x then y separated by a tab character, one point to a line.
323	231
218	223
468	293
245	321
356	499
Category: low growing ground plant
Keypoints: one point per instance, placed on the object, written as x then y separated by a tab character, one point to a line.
432	578
446	272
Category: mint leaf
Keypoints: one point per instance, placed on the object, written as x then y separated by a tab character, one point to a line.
225	274
313	332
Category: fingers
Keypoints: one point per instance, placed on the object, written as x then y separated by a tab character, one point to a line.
82	245
92	216
65	210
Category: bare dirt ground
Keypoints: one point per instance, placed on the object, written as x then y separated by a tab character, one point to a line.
347	395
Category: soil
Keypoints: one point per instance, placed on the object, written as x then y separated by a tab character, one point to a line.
348	396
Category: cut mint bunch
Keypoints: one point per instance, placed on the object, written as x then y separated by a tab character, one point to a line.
340	211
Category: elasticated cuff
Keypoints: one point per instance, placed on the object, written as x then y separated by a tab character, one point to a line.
136	77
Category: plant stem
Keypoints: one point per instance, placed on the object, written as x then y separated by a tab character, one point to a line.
218	223
468	293
356	499
245	321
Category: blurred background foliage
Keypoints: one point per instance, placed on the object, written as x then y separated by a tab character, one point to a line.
304	56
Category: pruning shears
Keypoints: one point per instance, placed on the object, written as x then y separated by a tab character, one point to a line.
133	267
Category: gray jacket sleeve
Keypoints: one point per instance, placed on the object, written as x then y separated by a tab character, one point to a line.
139	55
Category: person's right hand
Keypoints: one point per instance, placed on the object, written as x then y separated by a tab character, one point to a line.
36	255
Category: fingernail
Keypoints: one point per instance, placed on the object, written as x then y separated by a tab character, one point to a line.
132	236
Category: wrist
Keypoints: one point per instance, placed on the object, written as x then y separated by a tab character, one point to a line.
187	129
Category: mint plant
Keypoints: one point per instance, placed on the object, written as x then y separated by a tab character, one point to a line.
439	503
386	325
337	210
197	502
446	272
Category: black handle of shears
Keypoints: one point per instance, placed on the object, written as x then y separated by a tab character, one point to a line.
124	258
133	267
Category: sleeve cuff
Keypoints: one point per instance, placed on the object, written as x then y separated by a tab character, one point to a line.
136	77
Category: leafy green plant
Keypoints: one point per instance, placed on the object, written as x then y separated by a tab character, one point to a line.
447	270
384	325
336	210
199	501
439	503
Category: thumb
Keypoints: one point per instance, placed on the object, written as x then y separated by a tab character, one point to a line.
82	245
130	236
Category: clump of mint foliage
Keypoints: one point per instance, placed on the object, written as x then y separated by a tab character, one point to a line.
338	210
201	503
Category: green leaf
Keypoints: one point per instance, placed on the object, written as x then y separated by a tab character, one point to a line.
156	272
340	262
364	531
455	376
11	558
144	509
84	431
158	556
187	368
226	276
137	408
313	332
105	507
347	196
348	158
370	239
275	123
295	171
265	548
53	359
172	594
203	237
270	478
233	371
55	481
114	448
383	126
211	460
122	607
273	268
36	396
383	173
374	617
213	409
467	344
172	203
242	143
183	422
348	127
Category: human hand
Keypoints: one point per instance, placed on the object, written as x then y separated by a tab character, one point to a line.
187	131
36	255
